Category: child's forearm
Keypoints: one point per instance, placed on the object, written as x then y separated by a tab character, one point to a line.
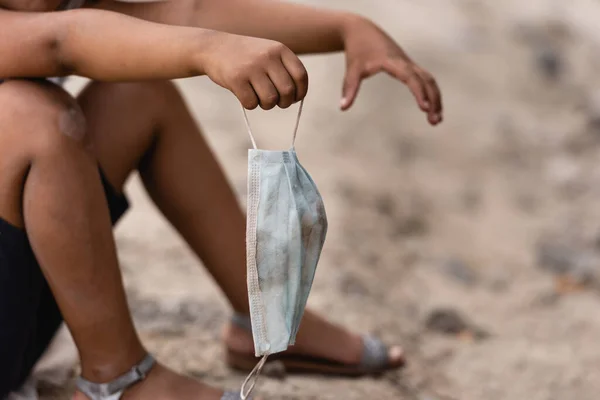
302	28
103	45
99	45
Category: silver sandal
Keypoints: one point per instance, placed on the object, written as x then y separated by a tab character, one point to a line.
114	389
375	359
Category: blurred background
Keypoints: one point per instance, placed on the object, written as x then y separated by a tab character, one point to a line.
476	244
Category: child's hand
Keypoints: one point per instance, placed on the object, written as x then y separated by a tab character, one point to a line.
369	50
257	71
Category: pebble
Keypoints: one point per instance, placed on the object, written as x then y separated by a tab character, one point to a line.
446	321
460	271
449	322
275	370
564	259
411	225
352	285
549	62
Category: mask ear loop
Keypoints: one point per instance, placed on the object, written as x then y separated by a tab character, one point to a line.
248	128
297	124
252	378
295	127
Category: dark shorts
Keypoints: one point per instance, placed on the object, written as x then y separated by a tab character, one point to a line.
29	317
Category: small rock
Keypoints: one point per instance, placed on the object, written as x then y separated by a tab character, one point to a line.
145	310
460	271
275	369
198	374
412	225
549	62
171	331
384	205
352	285
579	265
189	312
547	299
480	334
450	322
446	321
554	257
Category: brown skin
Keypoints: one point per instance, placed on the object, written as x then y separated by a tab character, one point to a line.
304	30
268	75
146	126
31	5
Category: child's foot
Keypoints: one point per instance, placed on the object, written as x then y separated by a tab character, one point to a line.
334	349
163	384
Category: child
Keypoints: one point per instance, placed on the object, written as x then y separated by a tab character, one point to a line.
63	162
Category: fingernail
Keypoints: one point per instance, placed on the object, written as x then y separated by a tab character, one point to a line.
426	103
343	102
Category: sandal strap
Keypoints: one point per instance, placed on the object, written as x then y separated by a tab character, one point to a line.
114	389
375	354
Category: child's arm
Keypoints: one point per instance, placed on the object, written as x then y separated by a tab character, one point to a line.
303	29
108	46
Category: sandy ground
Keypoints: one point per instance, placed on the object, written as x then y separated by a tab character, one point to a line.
492	216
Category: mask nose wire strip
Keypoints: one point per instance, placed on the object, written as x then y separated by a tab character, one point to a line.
295	127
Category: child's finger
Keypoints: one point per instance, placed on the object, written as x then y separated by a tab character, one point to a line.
434	95
285	85
296	69
352	82
265	89
414	82
246	95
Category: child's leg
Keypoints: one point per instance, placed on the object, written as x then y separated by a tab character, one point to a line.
50	185
34	318
149	126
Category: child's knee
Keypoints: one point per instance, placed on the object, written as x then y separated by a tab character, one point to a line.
40	117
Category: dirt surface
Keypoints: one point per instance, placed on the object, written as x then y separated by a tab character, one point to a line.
476	245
